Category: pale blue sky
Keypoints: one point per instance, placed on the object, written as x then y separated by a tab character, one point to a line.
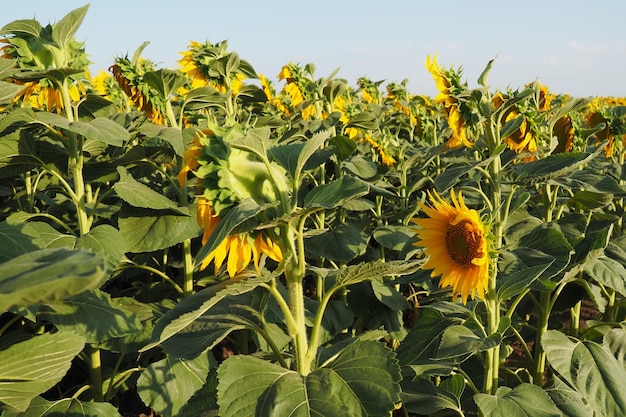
572	46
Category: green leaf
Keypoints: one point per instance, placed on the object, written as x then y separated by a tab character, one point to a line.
421	396
568	400
608	272
8	91
203	97
146	230
459	341
367	271
171	135
140	195
47	275
67	407
105	241
525	400
589	200
256	141
184	315
164	81
554	166
235	312
92	314
514	283
362	380
419	347
168	384
335	193
25	26
341	244
361	167
31	367
65	29
394	237
16	241
100	129
310	147
592	369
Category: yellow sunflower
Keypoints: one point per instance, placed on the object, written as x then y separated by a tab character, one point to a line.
451	104
455	241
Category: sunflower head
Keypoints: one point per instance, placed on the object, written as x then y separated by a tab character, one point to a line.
456	242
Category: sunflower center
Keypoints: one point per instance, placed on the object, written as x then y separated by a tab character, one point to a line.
464	243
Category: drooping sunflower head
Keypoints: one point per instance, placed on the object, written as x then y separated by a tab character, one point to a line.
456	243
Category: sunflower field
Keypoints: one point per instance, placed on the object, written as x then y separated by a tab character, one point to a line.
202	241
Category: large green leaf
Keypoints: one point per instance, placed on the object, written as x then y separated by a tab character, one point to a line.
171	135
167	385
147	230
525	400
26	26
460	341
31	367
100	129
423	397
15	241
183	316
341	244
67	407
592	369
8	91
65	29
362	380
236	312
608	272
93	314
106	241
336	193
140	195
418	350
47	275
514	283
554	166
368	271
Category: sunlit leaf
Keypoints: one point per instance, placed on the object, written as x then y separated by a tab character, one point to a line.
146	230
93	315
168	384
31	367
140	195
362	380
592	369
47	275
65	29
525	400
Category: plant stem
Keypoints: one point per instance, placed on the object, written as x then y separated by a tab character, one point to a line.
95	373
545	303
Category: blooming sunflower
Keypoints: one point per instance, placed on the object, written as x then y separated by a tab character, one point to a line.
455	240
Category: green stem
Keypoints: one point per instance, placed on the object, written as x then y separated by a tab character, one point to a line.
188	268
575	319
294	274
95	373
545	301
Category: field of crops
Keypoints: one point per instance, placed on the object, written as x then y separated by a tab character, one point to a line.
203	241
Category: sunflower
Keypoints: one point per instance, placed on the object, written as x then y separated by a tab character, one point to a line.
238	250
446	84
455	240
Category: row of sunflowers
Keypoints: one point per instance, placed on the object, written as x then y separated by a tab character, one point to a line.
203	241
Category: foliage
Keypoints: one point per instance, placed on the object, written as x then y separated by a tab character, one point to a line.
119	190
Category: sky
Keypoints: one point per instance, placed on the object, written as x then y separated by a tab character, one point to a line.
571	46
